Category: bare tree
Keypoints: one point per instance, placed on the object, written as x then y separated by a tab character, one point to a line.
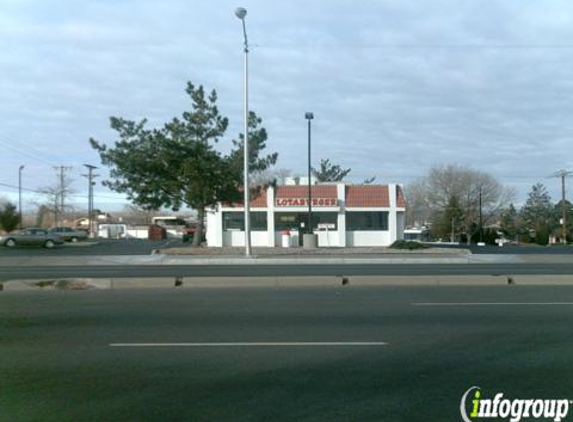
57	195
281	175
478	194
269	177
135	214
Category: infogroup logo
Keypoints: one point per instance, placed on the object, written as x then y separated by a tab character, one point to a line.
514	409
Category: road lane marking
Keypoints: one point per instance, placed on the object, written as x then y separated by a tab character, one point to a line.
493	304
257	344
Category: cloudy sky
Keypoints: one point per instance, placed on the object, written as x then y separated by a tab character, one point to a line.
396	86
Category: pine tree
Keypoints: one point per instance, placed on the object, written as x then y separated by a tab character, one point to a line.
537	213
177	164
330	172
9	217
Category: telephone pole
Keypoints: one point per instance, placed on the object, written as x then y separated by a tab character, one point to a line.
20	196
90	176
564	211
60	194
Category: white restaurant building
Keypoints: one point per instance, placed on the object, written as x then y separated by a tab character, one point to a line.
342	215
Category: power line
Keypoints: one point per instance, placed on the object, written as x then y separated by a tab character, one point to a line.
22	146
396	46
72	195
25	153
16	187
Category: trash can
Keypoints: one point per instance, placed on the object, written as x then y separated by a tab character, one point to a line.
285	238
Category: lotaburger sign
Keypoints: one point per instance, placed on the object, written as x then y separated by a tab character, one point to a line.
300	202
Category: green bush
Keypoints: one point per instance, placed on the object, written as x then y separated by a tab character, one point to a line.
407	244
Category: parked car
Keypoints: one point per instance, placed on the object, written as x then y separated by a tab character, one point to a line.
69	234
31	237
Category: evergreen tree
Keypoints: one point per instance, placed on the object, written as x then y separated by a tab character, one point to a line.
9	217
537	213
177	164
509	222
329	172
257	142
449	222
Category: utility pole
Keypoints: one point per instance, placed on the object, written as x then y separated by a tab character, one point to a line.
60	194
90	176
56	210
20	196
563	174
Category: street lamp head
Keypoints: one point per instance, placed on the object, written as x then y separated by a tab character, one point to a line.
241	12
22	167
308	115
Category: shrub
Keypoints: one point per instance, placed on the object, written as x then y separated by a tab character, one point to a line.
407	244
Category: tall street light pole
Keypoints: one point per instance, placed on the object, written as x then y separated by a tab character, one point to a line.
241	13
20	196
480	219
309	116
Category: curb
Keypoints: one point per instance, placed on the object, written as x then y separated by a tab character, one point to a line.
280	282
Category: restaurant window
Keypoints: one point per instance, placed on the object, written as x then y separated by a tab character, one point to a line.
235	221
293	220
367	221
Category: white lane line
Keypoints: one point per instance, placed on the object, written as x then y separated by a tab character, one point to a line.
494	304
256	344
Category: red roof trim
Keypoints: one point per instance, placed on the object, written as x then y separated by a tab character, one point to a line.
255	201
316	191
359	196
367	196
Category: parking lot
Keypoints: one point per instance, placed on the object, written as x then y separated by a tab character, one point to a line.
99	247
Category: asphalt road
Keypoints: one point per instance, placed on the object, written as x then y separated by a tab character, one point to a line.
278	270
145	247
101	247
57	362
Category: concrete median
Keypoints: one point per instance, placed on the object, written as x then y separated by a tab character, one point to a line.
280	282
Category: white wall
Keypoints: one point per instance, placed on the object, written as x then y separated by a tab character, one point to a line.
401	223
237	238
293	238
114	231
328	238
214	228
368	238
142	233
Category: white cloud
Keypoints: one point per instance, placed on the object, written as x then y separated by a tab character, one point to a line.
396	86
